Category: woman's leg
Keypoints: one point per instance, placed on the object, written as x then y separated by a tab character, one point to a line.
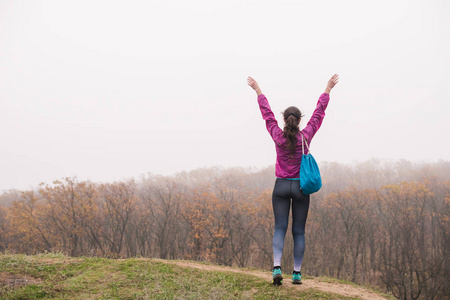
300	207
281	202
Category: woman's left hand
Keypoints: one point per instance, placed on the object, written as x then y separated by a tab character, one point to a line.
254	85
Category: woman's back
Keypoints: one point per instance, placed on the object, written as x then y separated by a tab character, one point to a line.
288	165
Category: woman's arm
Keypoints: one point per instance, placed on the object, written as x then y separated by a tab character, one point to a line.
319	113
271	123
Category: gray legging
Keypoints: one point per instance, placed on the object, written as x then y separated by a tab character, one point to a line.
283	192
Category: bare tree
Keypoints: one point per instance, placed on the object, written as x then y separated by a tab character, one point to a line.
118	205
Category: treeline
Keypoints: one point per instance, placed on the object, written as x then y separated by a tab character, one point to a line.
380	223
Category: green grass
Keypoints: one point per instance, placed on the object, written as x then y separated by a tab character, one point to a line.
61	277
335	280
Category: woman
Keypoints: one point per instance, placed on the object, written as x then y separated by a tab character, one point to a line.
288	145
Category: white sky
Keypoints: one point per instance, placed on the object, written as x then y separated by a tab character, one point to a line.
105	90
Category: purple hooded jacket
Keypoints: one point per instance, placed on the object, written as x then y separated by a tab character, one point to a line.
287	166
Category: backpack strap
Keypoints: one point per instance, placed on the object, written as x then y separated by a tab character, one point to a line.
304	142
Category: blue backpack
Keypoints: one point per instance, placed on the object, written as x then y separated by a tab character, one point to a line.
310	180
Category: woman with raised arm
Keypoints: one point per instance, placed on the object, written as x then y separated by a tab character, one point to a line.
288	145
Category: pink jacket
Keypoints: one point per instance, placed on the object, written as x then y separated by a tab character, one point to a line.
286	166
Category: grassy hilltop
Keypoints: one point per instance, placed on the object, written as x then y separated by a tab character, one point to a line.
56	276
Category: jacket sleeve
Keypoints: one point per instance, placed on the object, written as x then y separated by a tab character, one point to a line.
317	117
271	123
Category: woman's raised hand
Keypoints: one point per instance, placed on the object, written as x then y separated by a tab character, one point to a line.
254	85
331	83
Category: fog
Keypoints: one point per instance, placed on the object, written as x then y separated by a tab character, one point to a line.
105	90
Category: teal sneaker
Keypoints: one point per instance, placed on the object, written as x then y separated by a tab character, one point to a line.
277	277
296	277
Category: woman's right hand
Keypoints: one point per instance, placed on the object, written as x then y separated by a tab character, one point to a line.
331	83
254	85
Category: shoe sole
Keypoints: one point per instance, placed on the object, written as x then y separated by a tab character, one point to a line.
277	280
296	282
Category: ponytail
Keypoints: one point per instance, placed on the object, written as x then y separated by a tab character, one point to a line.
292	116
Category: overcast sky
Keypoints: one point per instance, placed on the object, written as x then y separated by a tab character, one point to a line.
106	90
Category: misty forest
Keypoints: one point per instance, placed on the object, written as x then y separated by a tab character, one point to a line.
379	223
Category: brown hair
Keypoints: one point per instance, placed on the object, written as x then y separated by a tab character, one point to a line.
292	116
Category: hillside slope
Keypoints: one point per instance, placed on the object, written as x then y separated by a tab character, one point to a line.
322	284
57	276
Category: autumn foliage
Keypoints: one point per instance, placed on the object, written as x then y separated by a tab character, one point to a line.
367	225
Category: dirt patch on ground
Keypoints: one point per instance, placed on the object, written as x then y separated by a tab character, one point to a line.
336	288
16	280
59	260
